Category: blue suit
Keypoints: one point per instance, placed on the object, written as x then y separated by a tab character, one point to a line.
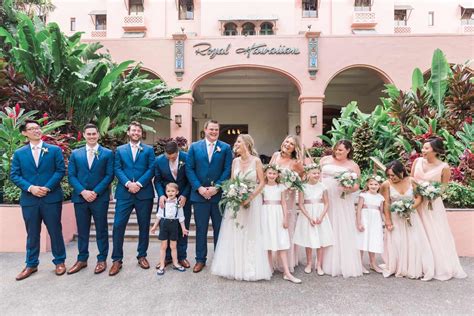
163	176
24	173
97	179
201	172
141	171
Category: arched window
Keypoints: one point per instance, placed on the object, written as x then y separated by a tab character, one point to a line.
230	29
248	29
266	28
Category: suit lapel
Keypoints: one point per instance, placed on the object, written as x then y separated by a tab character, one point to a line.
128	149
206	152
99	151
43	151
30	155
83	157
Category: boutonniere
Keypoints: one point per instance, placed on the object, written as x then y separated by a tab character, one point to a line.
44	151
218	149
96	154
180	164
140	148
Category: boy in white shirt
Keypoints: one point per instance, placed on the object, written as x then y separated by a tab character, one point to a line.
169	218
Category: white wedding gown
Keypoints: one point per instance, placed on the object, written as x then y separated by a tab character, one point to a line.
239	252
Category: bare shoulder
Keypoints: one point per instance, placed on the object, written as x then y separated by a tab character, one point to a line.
325	160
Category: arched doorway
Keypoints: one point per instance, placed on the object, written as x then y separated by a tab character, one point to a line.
358	83
261	102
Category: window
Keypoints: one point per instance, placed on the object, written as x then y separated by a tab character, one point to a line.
467	16
363	5
186	10
135	7
431	18
101	22
73	24
266	28
310	8
230	29
400	17
248	29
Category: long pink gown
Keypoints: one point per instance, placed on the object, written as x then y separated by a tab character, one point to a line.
407	251
435	222
343	258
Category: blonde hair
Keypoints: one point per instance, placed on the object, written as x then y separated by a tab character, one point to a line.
172	185
298	153
249	144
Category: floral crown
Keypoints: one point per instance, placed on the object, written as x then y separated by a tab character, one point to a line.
271	166
310	167
377	178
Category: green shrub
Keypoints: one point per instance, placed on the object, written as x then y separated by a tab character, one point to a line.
458	195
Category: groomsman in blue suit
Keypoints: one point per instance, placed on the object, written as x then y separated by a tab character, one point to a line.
170	167
134	170
37	169
209	164
90	171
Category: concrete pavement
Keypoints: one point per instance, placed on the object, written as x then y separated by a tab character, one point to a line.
137	291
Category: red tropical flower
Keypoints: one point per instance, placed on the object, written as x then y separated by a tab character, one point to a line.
11	115
45	116
468	120
17	109
79	136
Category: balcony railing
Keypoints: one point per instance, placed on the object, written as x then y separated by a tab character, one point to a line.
467	29
99	34
399	29
134	23
363	19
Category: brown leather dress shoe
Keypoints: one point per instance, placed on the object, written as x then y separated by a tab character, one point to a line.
198	267
116	266
60	269
185	263
78	266
100	267
26	272
143	263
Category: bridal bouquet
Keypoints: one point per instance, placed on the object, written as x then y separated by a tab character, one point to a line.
429	191
291	180
234	192
346	179
403	208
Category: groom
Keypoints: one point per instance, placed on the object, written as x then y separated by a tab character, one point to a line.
208	164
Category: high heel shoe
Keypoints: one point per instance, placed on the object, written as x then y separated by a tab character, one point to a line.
320	271
292	279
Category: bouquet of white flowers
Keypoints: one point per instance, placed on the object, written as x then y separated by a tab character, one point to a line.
403	208
234	192
429	191
291	180
347	179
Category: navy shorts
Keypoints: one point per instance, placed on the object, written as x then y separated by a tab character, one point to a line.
169	229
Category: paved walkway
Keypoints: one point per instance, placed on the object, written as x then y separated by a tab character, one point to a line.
136	291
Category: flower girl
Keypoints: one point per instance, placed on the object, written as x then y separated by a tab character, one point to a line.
313	229
275	220
369	222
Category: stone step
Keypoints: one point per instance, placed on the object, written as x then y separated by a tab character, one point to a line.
133	236
133	224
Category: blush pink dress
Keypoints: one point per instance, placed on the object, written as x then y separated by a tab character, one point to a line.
435	222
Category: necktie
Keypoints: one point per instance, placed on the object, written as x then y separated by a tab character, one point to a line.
134	151
36	152
210	151
90	157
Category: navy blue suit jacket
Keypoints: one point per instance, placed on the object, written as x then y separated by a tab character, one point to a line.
97	178
140	170
201	172
163	175
50	171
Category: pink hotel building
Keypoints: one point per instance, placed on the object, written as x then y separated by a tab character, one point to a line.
272	67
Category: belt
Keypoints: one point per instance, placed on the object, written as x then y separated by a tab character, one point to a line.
371	206
271	202
313	201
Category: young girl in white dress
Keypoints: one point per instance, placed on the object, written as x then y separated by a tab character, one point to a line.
313	228
369	222
274	222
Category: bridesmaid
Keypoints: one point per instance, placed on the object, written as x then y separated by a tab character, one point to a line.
343	258
290	157
407	251
430	168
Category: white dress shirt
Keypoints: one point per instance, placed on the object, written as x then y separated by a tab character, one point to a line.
90	158
173	211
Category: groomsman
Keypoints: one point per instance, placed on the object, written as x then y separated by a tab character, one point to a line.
209	164
90	171
170	167
134	170
37	168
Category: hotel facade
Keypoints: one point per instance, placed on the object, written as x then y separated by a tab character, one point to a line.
272	68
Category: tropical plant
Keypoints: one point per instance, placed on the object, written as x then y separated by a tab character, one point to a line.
364	145
458	195
160	144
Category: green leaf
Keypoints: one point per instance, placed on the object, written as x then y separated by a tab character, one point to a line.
104	126
416	80
439	80
106	84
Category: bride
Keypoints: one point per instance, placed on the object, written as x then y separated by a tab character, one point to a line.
239	252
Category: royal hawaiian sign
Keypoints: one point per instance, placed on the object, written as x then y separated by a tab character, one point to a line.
206	49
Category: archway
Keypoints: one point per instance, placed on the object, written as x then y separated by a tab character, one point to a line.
259	101
359	83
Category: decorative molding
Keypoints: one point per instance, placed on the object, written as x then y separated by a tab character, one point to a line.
313	47
179	55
